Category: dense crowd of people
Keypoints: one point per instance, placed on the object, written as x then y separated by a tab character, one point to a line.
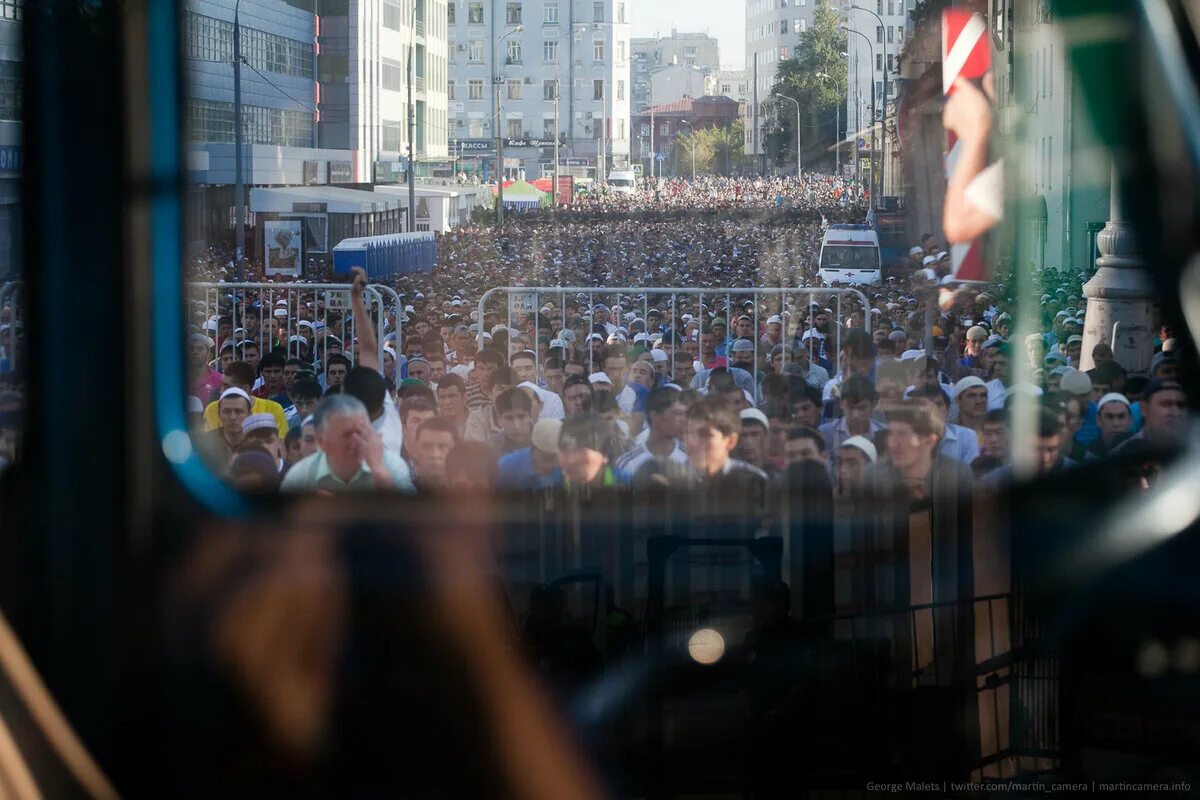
648	388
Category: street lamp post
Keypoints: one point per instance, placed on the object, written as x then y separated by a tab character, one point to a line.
837	127
883	112
412	123
871	50
500	134
799	169
239	182
693	148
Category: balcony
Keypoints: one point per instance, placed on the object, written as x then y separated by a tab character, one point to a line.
420	27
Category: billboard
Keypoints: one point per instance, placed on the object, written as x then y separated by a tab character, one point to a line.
283	247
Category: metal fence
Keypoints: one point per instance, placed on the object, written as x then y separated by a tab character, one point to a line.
275	312
529	300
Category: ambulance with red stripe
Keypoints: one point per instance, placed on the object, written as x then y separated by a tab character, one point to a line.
850	256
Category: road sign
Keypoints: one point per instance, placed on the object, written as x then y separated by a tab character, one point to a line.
523	302
861	143
660	156
337	300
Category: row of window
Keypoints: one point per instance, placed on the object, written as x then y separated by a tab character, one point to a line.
10	9
10	90
514	14
895	34
209	39
213	121
763	6
515	51
514	89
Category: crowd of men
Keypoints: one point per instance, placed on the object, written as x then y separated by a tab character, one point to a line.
651	388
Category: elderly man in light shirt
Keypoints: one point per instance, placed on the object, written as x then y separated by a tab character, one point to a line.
350	456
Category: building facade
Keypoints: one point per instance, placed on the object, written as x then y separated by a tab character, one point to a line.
656	128
511	60
731	83
694	50
773	29
869	58
674	82
365	47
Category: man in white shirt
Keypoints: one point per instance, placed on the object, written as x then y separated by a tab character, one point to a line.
957	442
369	385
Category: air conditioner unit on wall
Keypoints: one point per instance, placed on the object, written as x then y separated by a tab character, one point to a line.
528	81
461	48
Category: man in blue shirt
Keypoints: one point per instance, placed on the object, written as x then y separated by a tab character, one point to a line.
534	467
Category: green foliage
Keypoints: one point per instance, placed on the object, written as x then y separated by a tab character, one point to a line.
819	53
719	151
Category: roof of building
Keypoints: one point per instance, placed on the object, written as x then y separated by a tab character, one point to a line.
686	105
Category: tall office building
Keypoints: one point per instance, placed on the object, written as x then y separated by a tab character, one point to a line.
10	136
868	60
364	50
508	61
773	29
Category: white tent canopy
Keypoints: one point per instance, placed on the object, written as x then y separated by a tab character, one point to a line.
282	200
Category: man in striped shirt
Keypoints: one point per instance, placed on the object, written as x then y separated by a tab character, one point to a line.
667	416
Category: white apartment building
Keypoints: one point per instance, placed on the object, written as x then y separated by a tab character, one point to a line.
773	29
507	61
728	82
869	58
363	84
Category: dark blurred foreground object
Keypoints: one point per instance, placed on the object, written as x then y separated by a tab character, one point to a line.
356	664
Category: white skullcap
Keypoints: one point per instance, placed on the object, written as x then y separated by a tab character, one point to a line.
599	377
234	391
967	383
1113	397
256	422
863	444
755	415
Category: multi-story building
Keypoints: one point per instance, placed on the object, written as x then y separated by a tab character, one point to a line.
365	50
508	63
728	82
869	57
696	50
656	128
773	29
10	137
674	82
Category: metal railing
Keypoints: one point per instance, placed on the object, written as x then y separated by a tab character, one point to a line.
316	303
561	293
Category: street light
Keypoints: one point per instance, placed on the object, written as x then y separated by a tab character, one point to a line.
871	50
799	170
576	30
239	182
499	135
847	7
693	149
837	127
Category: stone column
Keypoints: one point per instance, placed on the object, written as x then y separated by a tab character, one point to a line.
1121	294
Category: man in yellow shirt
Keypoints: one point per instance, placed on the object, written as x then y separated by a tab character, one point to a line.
240	375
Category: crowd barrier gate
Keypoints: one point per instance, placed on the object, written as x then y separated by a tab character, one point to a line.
780	295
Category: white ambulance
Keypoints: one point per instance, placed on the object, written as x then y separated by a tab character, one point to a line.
850	256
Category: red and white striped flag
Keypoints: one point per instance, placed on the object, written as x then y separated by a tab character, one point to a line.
965	54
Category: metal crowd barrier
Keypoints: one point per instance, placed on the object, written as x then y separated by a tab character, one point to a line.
594	294
233	300
890	683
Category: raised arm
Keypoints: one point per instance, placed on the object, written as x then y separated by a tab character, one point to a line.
368	344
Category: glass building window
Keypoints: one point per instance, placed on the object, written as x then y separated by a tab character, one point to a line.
393	16
475	89
550	13
598	50
597	12
212	121
512	14
550	51
451	12
548	89
208	39
10	90
393	135
10	9
514	129
514	89
475	13
392	75
514	51
598	90
475	50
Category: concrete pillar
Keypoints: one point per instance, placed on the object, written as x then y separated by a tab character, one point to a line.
1119	294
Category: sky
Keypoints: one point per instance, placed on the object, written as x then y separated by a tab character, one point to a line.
724	19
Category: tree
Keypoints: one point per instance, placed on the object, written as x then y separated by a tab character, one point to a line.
719	151
819	53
